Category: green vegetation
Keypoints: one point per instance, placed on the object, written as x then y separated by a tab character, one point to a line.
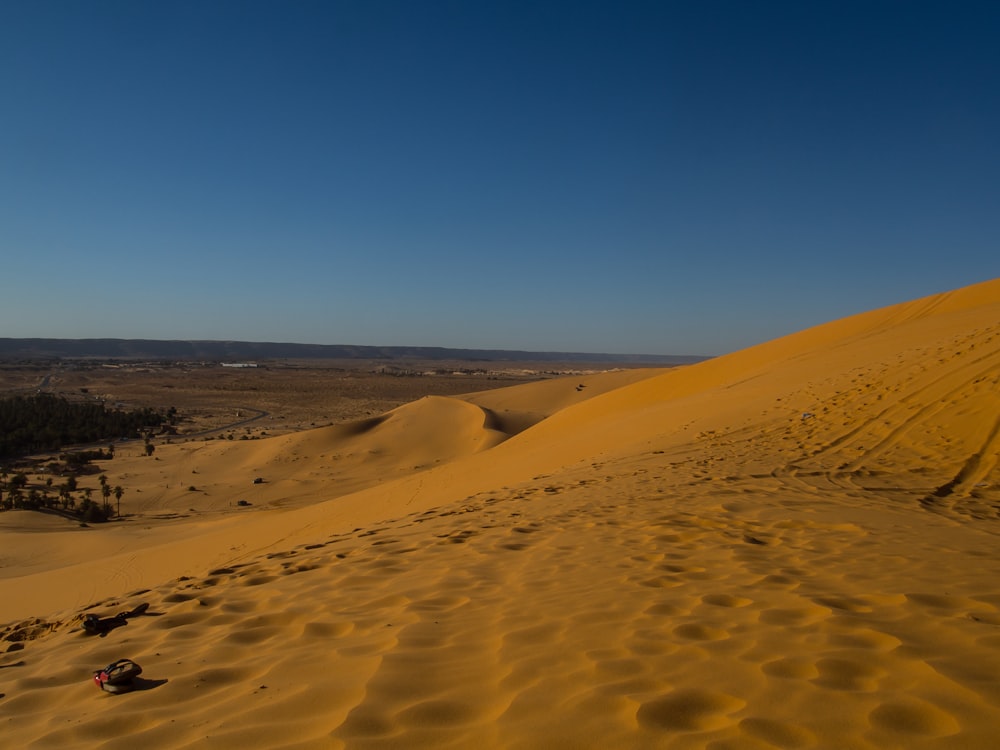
18	492
45	423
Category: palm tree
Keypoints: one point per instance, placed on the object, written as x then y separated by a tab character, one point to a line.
118	496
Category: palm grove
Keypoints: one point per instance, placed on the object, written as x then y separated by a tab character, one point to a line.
44	423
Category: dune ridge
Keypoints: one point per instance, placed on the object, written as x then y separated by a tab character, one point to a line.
791	546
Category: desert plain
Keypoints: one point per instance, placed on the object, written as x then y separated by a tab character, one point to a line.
791	546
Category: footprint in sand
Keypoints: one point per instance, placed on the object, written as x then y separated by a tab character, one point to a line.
940	602
864	638
726	600
699	632
439	603
668	609
258	580
791	669
689	710
439	713
251	636
794	616
848	674
778	733
914	717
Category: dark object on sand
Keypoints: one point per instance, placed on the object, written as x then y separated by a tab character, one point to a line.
95	625
118	676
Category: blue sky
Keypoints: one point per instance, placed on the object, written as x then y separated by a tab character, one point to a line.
634	177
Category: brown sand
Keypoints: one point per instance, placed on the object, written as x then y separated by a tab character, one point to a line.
793	546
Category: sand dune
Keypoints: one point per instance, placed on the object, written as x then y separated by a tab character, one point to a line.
792	546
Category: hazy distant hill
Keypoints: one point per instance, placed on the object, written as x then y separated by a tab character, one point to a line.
19	349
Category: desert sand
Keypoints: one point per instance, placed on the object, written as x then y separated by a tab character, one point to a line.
792	546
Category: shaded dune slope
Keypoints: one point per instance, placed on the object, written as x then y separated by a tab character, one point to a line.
516	408
793	546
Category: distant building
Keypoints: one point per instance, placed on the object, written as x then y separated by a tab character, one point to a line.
239	364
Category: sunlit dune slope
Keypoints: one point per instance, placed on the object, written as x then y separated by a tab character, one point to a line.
433	430
905	398
792	546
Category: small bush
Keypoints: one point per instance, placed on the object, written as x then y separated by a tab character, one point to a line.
94	514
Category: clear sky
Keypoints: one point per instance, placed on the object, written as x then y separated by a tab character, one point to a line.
633	177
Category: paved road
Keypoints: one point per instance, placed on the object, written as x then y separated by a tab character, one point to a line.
232	425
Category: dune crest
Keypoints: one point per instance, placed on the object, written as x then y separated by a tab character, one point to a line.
791	546
432	430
